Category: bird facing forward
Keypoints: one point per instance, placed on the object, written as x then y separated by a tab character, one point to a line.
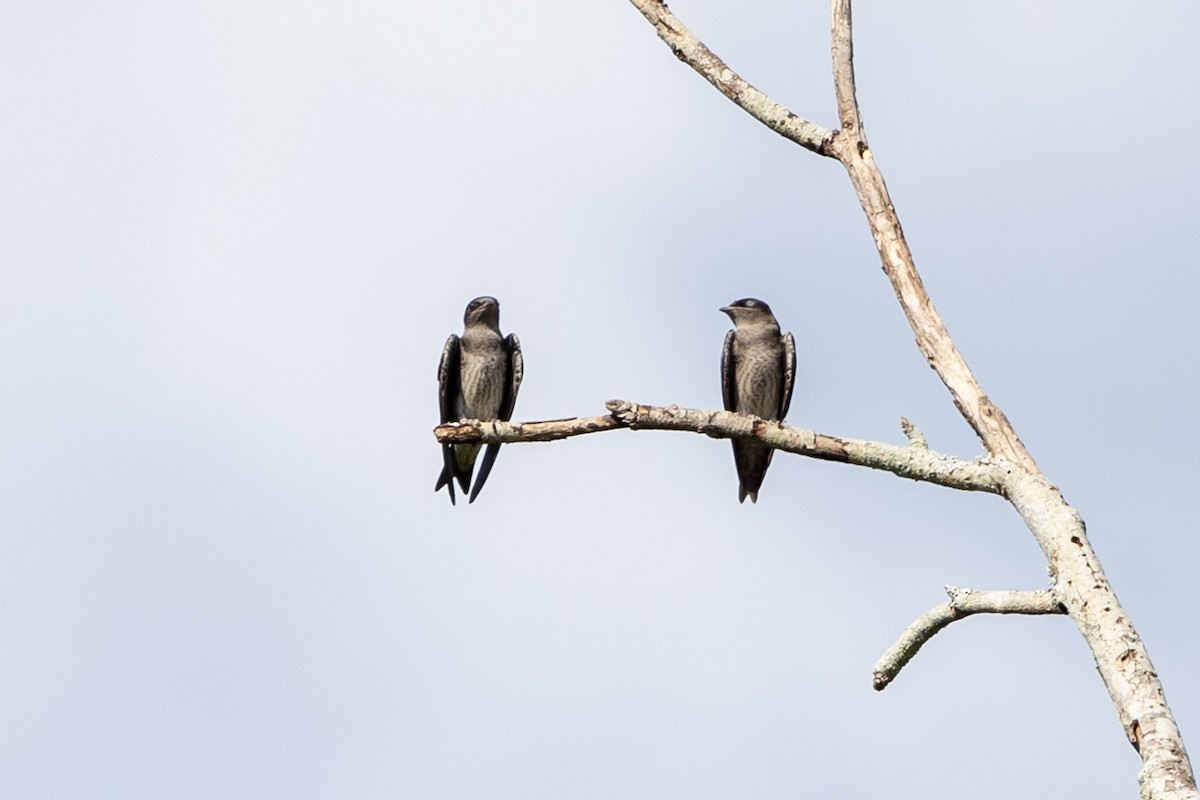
758	368
478	378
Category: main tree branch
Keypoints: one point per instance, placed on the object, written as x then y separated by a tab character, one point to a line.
913	461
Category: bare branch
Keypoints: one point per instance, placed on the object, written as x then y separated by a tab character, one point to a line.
1121	656
907	461
843	71
500	432
963	603
933	340
932	337
1037	601
695	54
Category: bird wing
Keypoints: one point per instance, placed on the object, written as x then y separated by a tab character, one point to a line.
789	372
448	389
728	393
448	378
516	371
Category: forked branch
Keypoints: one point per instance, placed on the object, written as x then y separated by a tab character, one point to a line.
849	146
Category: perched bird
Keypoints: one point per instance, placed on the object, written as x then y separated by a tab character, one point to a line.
758	368
478	378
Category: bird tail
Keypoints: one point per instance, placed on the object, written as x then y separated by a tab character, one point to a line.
751	460
743	494
444	480
448	472
464	476
489	458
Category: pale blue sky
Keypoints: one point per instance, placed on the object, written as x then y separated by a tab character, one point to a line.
235	236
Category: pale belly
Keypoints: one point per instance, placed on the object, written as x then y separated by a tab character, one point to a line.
759	389
483	389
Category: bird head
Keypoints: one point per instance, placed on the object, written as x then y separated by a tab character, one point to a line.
749	311
483	311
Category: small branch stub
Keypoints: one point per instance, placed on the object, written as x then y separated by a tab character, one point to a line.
913	433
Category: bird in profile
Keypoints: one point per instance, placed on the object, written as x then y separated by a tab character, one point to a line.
478	378
758	368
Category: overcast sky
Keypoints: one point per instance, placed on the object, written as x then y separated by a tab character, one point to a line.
235	236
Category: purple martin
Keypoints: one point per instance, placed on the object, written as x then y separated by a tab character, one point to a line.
758	368
478	378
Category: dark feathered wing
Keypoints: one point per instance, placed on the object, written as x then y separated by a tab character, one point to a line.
789	373
448	390
516	371
448	377
745	454
728	395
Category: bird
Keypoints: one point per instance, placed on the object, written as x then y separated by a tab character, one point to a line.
758	369
478	378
